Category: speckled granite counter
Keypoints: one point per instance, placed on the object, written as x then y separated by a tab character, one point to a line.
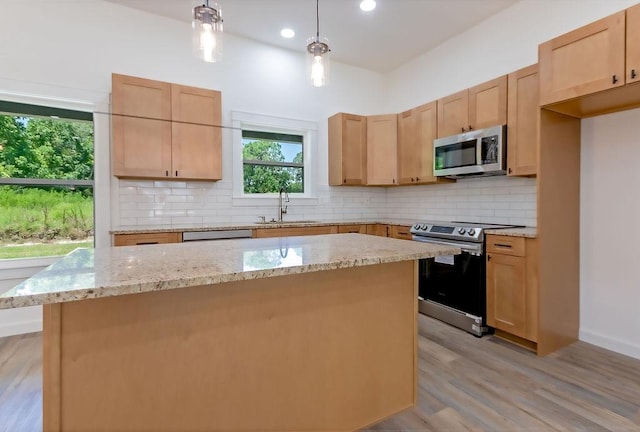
106	272
528	232
147	229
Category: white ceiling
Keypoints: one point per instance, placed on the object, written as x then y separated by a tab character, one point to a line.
394	33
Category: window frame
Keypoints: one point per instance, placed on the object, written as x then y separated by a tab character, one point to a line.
102	189
272	124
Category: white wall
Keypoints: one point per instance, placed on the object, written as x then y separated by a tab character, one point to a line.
610	286
609	234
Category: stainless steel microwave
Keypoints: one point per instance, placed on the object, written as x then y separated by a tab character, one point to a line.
475	153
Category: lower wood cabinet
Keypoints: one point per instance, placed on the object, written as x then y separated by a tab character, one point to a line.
512	288
297	231
400	232
147	238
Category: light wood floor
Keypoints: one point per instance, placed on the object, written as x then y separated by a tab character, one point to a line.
465	384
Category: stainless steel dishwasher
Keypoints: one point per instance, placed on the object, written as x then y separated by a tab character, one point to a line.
193	236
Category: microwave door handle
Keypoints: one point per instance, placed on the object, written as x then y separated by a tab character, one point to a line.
479	150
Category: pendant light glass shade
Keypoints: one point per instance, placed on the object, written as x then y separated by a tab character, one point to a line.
206	28
318	61
318	55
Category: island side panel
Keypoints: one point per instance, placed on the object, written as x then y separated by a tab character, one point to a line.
330	350
51	350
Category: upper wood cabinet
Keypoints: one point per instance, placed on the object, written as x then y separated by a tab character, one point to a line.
196	145
453	114
522	121
417	128
164	130
633	44
382	138
347	149
141	127
478	107
587	60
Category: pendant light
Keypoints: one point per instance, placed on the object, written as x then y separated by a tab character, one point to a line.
206	28
318	55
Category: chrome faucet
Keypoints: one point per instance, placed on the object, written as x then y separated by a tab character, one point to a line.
282	210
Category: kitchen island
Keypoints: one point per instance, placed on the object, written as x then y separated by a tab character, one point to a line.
279	334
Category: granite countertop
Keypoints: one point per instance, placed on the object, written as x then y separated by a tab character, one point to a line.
529	232
148	229
104	272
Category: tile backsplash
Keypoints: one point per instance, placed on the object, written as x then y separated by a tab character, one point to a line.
180	203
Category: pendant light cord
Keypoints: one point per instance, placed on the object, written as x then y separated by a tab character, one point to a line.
318	20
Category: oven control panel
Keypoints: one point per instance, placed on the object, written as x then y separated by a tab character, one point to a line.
453	232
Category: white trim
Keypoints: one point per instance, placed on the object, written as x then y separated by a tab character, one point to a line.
71	104
19	321
11	263
269	123
610	343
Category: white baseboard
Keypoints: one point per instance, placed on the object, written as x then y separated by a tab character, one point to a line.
620	346
19	321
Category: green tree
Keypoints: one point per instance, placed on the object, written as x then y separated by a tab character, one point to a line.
297	175
264	178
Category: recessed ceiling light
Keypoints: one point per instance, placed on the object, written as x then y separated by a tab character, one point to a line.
368	5
287	33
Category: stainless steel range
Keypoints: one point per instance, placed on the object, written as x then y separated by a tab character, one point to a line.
453	288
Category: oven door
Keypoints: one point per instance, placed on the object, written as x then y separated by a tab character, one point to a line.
456	281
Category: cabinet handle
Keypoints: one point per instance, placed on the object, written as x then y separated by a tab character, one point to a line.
470	128
412	180
510	171
633	73
176	173
614	79
417	178
166	173
394	180
344	180
488	257
462	129
503	245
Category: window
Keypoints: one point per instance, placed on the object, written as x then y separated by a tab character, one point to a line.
46	180
271	161
270	153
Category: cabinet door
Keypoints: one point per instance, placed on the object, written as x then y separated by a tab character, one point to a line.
506	293
427	131
141	127
488	104
347	149
633	44
377	230
417	129
522	121
146	238
196	133
408	158
382	138
584	61
453	114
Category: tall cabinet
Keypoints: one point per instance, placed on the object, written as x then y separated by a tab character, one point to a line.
165	130
347	149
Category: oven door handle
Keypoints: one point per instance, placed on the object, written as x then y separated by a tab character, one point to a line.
472	248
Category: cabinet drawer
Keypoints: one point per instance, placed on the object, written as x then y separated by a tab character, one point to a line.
400	232
145	239
505	245
359	229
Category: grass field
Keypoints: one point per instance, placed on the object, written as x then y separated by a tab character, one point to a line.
44	220
41	250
